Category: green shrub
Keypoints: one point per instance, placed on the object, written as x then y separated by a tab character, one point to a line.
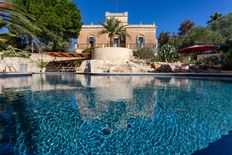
229	56
194	62
77	63
211	61
88	50
146	53
228	62
14	52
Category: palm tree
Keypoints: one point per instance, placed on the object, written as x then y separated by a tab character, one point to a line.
16	20
215	17
112	28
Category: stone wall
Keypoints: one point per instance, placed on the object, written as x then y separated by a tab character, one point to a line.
31	62
17	62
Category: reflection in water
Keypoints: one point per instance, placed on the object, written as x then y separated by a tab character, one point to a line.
58	114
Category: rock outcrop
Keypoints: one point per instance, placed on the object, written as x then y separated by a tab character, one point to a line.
99	66
122	68
94	66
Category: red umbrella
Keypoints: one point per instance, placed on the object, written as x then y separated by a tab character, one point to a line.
198	49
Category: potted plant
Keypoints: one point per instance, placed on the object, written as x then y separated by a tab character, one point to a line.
42	65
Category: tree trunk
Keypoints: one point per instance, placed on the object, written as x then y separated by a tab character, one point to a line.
54	46
111	41
31	43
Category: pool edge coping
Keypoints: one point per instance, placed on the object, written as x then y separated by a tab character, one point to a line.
4	75
145	74
7	75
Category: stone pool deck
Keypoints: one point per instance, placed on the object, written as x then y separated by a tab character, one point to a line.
163	74
226	74
6	75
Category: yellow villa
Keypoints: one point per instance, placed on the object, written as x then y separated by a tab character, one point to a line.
141	35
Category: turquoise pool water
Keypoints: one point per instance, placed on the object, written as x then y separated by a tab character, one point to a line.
76	114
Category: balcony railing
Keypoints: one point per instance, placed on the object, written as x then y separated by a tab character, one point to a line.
99	45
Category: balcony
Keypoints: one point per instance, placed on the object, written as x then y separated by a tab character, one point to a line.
127	45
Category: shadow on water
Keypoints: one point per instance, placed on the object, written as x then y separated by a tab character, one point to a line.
6	133
69	79
13	119
223	146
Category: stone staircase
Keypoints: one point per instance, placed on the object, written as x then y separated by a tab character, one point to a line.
57	66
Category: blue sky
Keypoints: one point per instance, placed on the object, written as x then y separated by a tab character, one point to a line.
167	14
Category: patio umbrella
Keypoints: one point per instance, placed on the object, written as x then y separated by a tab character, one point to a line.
198	49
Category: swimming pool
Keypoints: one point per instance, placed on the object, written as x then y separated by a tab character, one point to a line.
81	114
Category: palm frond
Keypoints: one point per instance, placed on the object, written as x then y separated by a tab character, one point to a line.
113	27
17	20
102	32
2	40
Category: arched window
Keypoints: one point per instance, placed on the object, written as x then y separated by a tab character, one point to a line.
116	41
140	41
91	41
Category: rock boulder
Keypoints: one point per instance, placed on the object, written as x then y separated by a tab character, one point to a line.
155	65
166	68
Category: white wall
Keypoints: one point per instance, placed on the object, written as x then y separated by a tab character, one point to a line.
112	54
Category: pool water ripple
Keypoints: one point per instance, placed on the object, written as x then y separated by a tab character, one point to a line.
130	115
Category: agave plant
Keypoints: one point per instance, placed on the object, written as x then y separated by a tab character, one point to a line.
112	28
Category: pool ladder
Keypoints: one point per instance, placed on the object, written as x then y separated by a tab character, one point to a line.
10	69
